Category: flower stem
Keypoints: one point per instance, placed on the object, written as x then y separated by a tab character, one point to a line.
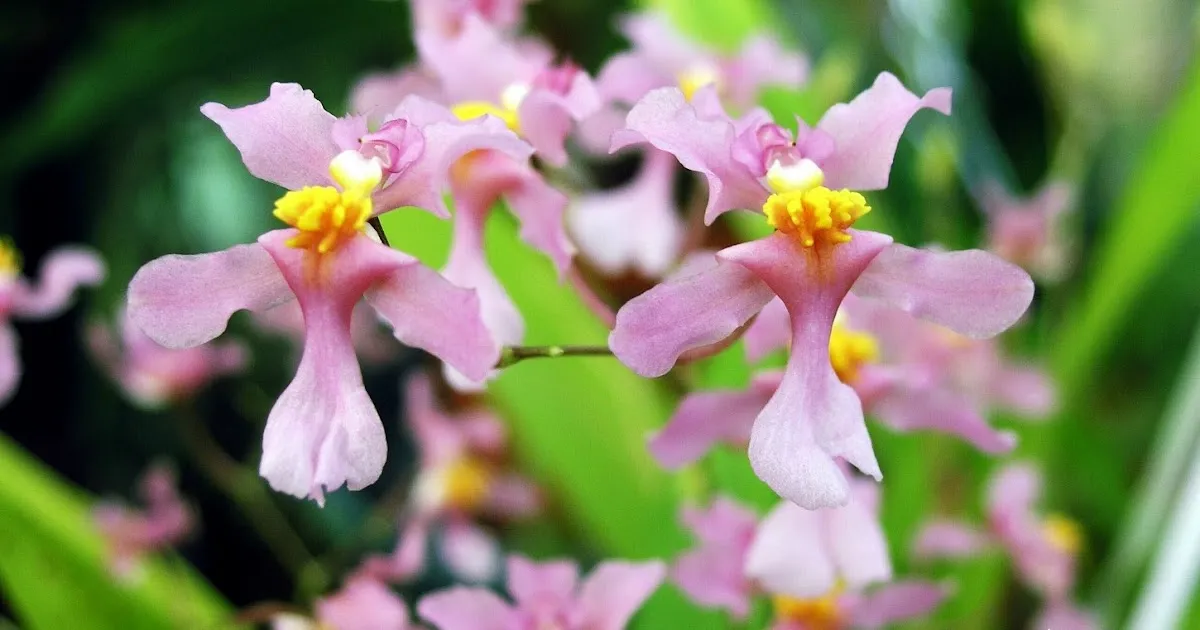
516	354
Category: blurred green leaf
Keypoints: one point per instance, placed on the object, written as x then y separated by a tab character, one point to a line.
53	565
720	23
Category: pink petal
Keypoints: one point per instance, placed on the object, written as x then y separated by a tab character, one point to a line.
546	117
286	139
666	120
898	602
1026	390
513	496
949	539
437	436
10	362
635	226
64	270
971	292
761	62
654	36
324	430
724	522
857	543
548	584
478	63
788	555
363	604
471	554
1014	490
184	301
935	408
813	417
868	129
537	205
770	331
376	95
615	590
713	574
627	77
705	418
1064	615
467	609
682	313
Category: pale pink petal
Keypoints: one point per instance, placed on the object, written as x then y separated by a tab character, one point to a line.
770	331
788	555
666	120
682	313
547	584
1014	490
377	95
537	205
857	543
627	77
438	440
705	419
654	36
949	539
1026	390
184	301
761	62
467	609
63	271
634	227
10	362
937	409
897	602
813	417
614	591
1064	615
363	604
513	496
286	139
547	117
477	64
972	292
472	554
867	130
713	574
324	431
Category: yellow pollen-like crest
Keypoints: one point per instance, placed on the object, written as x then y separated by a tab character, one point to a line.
470	110
325	216
467	482
817	216
822	613
691	80
10	258
1063	533
849	350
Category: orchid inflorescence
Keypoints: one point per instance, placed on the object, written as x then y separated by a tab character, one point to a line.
486	119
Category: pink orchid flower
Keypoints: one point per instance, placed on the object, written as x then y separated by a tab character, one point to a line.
810	263
818	567
1043	548
131	534
460	478
548	596
152	376
324	431
1026	231
371	343
62	272
361	604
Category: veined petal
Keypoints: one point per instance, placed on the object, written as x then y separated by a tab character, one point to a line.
788	556
467	609
682	313
867	130
10	362
705	418
286	139
64	270
184	301
615	590
972	292
949	539
897	602
813	417
770	331
550	584
666	120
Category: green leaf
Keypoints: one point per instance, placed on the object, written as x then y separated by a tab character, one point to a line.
53	567
720	23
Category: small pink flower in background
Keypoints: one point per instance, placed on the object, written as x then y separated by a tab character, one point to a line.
371	342
131	534
63	271
153	376
446	18
549	596
461	477
361	604
324	431
826	568
810	263
1026	231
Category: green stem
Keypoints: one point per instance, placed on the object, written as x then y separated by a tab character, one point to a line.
516	354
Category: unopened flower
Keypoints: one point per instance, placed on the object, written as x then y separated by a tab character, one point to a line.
153	376
63	271
1027	231
549	596
131	534
323	430
810	263
361	604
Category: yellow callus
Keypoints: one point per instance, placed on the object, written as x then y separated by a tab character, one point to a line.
692	79
467	483
849	350
326	216
1063	533
822	613
816	216
10	259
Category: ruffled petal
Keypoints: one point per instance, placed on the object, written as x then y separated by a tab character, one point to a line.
972	292
897	602
286	139
615	590
949	539
770	331
363	604
666	120
705	418
549	584
856	542
184	301
538	206
867	130
788	556
10	362
813	417
63	271
686	312
467	609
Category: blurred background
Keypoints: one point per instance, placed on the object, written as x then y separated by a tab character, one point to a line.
102	143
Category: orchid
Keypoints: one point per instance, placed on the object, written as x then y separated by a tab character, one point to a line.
810	263
1026	231
324	431
63	271
361	604
372	345
131	534
548	595
816	566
